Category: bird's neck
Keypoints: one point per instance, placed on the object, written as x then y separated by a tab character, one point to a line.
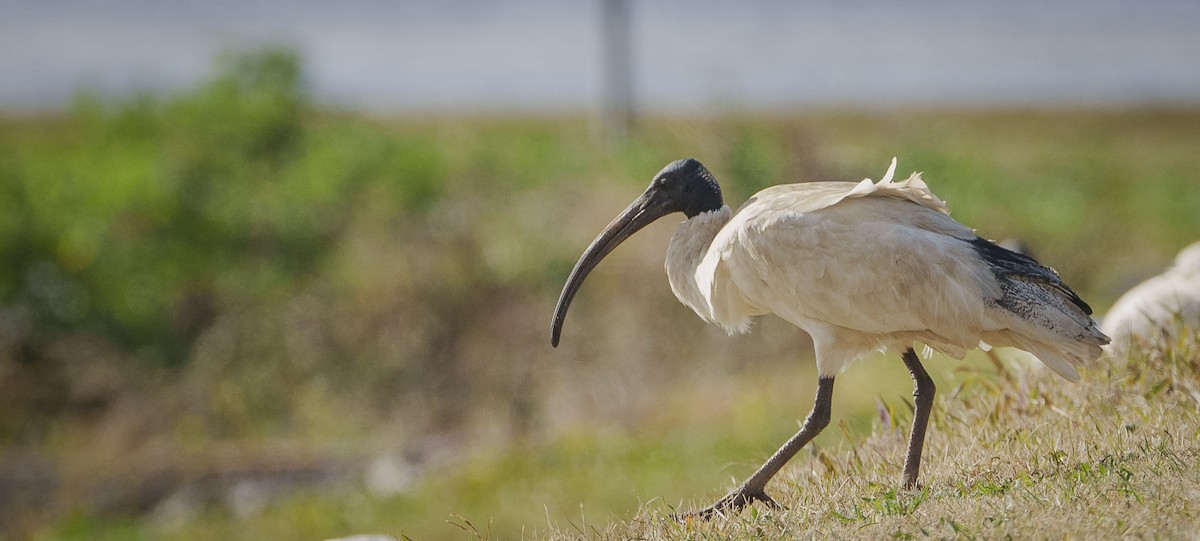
685	252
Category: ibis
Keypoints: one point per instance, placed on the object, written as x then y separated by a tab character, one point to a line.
861	267
1154	312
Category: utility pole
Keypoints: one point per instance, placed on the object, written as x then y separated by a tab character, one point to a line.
616	113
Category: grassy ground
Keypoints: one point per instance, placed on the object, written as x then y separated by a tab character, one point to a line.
1117	455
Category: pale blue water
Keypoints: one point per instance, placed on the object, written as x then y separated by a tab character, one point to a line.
691	55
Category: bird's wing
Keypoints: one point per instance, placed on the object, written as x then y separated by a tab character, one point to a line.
814	196
873	258
862	266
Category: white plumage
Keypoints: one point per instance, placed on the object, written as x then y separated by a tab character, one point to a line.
1154	312
863	267
859	266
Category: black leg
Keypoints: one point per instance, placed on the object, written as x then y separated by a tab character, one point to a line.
923	391
754	488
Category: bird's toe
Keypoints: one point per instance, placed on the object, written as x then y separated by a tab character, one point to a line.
731	504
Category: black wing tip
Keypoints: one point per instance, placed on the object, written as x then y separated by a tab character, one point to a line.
1003	257
1087	308
1007	262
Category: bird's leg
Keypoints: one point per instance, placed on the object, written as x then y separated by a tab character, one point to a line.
754	487
923	391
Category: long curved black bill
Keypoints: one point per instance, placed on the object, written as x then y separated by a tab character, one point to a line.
642	211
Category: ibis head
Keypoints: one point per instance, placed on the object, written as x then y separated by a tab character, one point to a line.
682	186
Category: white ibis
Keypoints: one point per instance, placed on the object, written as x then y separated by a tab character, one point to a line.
859	266
1154	312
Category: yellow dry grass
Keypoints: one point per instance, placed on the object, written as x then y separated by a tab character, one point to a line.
1029	457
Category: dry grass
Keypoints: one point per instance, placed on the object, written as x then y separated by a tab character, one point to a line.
1027	458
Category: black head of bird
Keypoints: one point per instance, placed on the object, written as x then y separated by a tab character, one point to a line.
682	186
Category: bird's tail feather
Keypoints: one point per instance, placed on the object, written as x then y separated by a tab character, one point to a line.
1039	313
1059	359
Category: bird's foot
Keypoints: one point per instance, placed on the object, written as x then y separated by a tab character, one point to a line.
732	504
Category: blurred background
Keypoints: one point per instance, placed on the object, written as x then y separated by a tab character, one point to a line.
286	269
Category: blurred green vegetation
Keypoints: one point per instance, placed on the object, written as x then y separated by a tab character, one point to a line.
233	266
143	208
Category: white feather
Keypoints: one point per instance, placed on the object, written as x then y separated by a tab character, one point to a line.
860	266
1154	312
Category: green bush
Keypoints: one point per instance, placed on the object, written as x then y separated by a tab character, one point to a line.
145	217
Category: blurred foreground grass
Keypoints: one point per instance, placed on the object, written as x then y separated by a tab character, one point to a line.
225	312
